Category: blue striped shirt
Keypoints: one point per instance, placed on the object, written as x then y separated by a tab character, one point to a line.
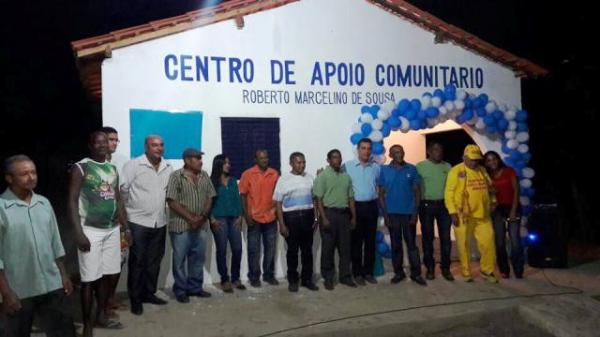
294	192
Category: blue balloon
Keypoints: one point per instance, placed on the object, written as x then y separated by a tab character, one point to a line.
468	103
393	122
374	110
477	103
395	113
423	123
519	166
526	157
438	93
491	129
422	114
426	94
526	210
522	127
378	148
404	105
415	124
411	114
364	109
467	114
481	112
450	88
489	120
415	105
432	112
355	138
484	99
383	248
460	119
386	129
366	129
379	236
502	124
505	148
521	116
514	155
498	114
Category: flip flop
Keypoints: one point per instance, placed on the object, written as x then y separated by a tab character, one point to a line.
110	324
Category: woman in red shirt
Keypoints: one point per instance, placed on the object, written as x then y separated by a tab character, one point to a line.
507	215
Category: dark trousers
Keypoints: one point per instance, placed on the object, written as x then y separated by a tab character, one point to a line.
337	235
268	233
54	315
501	226
145	256
430	211
228	232
300	227
401	228
363	238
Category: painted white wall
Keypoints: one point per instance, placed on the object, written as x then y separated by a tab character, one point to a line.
353	31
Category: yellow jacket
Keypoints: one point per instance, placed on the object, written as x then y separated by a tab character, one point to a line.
469	192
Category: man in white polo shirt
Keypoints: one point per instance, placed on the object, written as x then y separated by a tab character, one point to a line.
297	220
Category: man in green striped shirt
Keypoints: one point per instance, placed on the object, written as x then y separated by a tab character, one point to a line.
189	195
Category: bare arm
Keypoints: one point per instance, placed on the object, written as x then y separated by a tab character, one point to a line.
386	218
352	205
182	211
417	191
282	227
10	301
324	220
73	208
67	285
245	209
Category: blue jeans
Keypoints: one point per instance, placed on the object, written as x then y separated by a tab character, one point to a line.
188	246
228	232
268	232
401	228
501	225
431	210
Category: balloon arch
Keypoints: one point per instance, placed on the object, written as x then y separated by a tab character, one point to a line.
496	121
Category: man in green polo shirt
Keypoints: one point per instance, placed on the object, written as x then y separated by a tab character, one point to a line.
433	172
335	200
33	280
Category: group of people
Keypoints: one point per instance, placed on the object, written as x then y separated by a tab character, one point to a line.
122	210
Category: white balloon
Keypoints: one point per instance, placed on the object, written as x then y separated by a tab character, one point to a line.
512	125
522	137
502	107
459	105
436	102
525	183
523	148
379	159
510	115
461	95
512	144
376	136
443	110
449	105
425	102
525	201
383	114
366	118
404	124
528	172
389	106
490	107
431	122
480	125
510	134
377	124
356	127
472	121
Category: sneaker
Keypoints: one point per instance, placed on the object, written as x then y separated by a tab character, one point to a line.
397	278
256	283
153	299
227	287
310	286
447	275
271	281
430	275
348	282
239	285
419	280
371	279
490	278
293	287
360	281
182	298
329	284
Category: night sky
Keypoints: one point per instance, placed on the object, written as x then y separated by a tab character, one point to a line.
47	115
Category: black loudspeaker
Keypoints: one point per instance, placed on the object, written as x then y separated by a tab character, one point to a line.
547	239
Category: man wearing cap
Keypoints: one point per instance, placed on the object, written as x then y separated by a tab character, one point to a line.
143	186
189	196
470	200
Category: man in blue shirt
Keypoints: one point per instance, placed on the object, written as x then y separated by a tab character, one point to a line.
364	173
399	195
33	280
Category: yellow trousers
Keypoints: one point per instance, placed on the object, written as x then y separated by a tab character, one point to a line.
484	234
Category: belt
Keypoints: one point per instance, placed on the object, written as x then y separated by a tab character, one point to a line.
337	210
439	201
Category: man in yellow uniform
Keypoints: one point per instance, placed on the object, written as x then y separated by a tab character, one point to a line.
470	199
